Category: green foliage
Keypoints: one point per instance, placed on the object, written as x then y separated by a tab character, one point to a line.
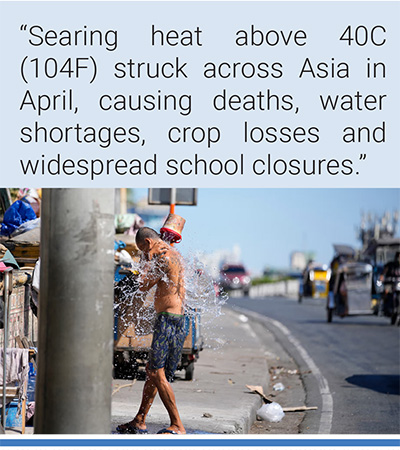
269	279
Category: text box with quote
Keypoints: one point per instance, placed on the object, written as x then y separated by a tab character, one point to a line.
204	94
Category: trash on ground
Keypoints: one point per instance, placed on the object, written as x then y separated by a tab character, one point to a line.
260	391
118	388
278	387
281	370
207	415
272	412
299	408
276	370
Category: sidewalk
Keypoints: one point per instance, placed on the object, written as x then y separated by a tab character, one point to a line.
217	400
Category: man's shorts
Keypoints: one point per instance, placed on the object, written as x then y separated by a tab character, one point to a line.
168	338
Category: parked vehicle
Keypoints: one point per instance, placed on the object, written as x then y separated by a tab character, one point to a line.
235	276
352	291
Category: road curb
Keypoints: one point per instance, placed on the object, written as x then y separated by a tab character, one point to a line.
280	355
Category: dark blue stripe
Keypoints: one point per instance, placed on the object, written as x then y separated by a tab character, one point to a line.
133	442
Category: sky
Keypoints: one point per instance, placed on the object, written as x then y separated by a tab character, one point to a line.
269	224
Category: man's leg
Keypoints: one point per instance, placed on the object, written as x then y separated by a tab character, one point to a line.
168	398
149	388
149	393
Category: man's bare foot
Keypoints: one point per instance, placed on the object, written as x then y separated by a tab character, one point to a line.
172	430
132	427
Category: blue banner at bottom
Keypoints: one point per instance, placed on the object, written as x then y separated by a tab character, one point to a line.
199	442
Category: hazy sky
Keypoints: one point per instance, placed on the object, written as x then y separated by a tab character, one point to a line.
269	224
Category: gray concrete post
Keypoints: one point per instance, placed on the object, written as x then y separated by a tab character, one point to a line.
73	392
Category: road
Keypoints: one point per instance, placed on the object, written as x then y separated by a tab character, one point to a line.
355	364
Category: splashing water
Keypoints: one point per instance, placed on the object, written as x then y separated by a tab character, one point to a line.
204	299
202	294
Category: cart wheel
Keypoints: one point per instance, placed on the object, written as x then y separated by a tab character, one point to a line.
330	314
189	371
393	318
300	298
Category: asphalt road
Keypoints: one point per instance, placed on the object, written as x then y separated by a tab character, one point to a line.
356	358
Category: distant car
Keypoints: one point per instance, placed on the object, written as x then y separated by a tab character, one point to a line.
235	276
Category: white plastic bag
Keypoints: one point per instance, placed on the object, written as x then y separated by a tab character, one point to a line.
272	412
124	258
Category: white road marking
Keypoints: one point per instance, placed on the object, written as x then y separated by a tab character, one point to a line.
248	328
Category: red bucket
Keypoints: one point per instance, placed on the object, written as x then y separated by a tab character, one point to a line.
171	231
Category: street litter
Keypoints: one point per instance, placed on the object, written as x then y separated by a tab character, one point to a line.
207	415
276	370
300	408
123	386
272	412
278	387
260	391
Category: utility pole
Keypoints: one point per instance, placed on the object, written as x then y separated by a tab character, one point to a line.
73	394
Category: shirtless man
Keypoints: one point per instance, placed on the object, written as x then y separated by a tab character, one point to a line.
164	269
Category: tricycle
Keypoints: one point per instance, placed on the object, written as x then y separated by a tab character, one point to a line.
315	281
352	291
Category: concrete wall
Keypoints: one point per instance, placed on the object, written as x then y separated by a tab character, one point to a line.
288	288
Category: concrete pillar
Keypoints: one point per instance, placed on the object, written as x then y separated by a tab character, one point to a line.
73	393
